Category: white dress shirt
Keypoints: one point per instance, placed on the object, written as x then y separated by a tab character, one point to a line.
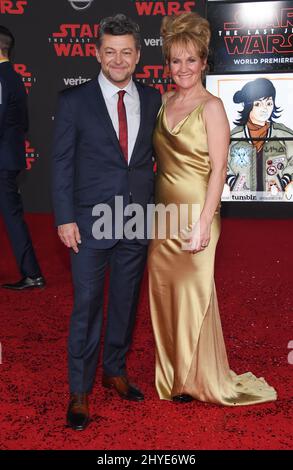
132	105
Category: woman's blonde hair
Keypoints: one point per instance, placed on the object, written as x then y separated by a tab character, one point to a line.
186	29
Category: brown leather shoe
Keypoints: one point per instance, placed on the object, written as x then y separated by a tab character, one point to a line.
124	389
78	411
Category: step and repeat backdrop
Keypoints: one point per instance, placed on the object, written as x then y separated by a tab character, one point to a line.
250	68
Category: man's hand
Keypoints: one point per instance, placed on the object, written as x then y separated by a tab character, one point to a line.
69	235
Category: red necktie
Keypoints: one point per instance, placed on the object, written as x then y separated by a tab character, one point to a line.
123	133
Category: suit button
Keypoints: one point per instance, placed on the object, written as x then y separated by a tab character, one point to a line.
129	169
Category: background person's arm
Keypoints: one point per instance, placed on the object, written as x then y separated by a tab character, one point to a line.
4	99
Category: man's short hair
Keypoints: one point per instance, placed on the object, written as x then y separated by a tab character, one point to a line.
118	25
6	41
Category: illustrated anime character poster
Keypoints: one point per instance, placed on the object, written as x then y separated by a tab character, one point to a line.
261	119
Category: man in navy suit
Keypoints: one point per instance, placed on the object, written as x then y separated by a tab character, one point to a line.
102	149
13	126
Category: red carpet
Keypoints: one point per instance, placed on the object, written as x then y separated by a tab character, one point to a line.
255	290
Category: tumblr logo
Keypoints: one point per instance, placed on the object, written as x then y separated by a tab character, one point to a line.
80	4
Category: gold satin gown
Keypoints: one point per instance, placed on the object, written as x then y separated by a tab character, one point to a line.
190	350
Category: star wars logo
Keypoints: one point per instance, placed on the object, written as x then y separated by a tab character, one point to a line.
162	8
157	76
31	155
259	36
10	7
75	40
27	77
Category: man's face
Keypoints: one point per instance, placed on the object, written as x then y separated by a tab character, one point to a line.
262	110
118	57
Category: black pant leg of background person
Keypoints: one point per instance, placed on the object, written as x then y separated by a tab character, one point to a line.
11	209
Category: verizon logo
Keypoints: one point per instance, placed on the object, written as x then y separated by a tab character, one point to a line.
153	42
75	81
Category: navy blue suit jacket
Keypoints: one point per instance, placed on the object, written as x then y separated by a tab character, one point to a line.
88	165
13	119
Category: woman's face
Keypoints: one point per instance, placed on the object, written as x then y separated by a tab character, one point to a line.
185	65
262	110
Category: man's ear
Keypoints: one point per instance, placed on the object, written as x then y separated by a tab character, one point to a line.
98	55
138	56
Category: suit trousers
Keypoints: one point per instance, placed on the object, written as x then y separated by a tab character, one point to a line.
11	209
126	261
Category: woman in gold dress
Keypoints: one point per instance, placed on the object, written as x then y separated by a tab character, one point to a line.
191	141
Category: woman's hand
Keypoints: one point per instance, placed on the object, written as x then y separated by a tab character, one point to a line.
198	238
